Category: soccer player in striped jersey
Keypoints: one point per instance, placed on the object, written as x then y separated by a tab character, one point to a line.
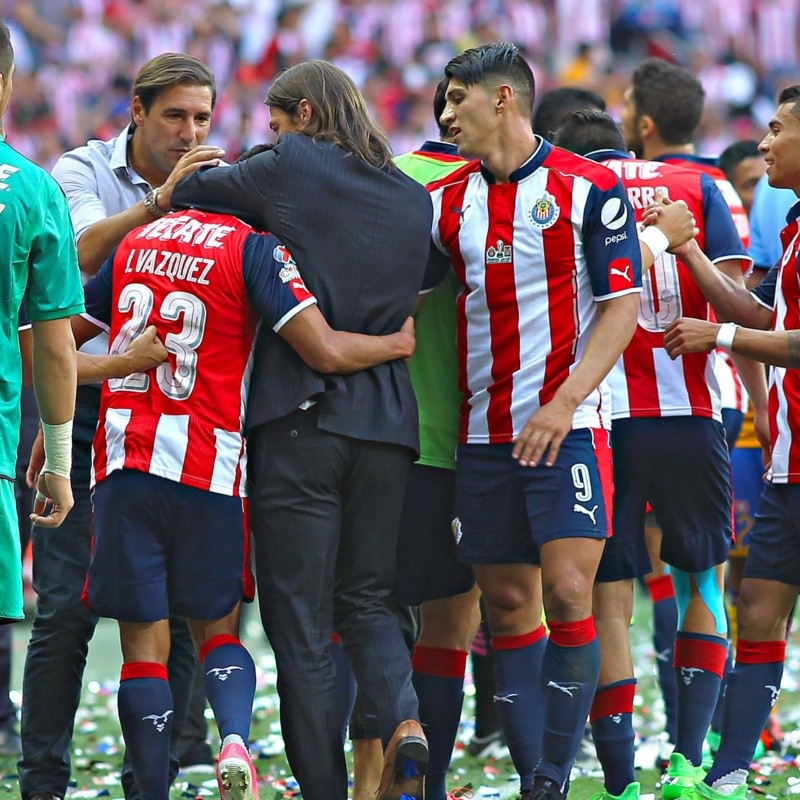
660	113
544	246
660	402
170	531
769	584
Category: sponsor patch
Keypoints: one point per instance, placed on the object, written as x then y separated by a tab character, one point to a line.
499	253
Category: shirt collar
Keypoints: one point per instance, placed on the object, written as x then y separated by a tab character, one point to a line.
443	148
119	155
529	167
794	213
607	155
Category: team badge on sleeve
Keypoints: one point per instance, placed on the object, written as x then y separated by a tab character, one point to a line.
545	211
289	271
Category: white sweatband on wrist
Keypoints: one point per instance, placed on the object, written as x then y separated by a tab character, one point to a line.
725	335
58	448
655	239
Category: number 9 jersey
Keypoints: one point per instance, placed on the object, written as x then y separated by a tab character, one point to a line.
203	280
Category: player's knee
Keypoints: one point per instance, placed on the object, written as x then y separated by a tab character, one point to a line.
703	588
567	596
757	618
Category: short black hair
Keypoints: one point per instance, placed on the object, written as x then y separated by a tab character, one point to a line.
791	94
734	153
255	150
6	50
439	102
670	96
586	130
554	104
500	60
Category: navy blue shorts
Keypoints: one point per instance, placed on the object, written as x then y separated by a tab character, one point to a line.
427	557
680	466
747	468
774	551
162	548
505	512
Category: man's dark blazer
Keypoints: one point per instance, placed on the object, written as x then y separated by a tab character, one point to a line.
360	236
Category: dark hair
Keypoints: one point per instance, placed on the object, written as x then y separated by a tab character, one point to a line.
6	50
255	150
163	72
734	153
439	102
586	130
670	96
791	94
340	112
554	104
499	60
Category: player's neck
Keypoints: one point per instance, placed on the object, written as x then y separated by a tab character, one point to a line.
510	153
656	149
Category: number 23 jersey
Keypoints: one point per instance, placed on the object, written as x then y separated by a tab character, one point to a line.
203	280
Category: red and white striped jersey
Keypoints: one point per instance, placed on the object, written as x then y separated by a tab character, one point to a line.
780	291
533	256
203	280
646	382
731	389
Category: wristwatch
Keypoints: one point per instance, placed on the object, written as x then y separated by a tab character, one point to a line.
150	202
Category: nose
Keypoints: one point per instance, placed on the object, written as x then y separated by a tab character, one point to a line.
189	130
447	115
764	143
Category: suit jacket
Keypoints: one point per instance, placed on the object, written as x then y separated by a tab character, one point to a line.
361	238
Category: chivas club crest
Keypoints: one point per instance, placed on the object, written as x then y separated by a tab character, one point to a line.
289	272
545	211
499	253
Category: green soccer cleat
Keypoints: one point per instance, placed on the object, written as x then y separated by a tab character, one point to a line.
630	792
680	776
702	791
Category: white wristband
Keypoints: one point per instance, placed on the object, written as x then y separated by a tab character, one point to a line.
725	335
655	239
58	448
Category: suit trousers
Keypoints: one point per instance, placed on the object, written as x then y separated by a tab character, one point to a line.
325	513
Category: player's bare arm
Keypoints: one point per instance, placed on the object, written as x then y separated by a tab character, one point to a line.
54	380
778	348
327	350
545	430
729	298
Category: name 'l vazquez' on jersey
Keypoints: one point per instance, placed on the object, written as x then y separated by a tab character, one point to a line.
646	382
204	280
533	257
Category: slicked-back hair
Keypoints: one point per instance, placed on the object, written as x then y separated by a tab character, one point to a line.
340	113
791	94
162	73
556	103
439	102
586	130
735	153
670	96
501	61
6	50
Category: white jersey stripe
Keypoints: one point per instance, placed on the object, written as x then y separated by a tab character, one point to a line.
169	446
226	461
115	423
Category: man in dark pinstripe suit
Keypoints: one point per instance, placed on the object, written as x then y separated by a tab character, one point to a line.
330	455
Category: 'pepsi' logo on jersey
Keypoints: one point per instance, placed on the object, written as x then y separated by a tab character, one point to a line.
614	214
620	275
545	211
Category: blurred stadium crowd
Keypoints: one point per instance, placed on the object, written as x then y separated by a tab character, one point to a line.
76	58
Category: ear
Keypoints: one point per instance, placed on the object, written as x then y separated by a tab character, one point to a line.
137	110
503	97
304	112
646	126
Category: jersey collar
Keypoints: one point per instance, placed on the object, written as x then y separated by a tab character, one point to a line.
442	148
528	168
607	155
692	158
794	213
